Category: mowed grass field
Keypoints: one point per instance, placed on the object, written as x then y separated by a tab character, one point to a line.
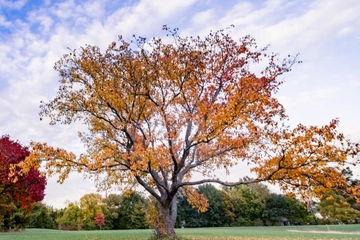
233	233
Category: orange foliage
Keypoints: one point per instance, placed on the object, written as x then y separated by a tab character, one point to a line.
157	112
308	160
196	199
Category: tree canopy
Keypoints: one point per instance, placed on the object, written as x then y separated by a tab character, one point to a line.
159	112
18	190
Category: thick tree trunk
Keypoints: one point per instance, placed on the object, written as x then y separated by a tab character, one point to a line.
174	209
165	227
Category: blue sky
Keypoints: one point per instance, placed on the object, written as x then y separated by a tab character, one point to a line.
35	34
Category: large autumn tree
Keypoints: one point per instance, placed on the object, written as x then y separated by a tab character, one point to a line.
158	112
18	191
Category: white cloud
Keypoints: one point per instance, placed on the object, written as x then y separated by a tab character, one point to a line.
319	96
4	22
12	4
203	17
46	22
66	10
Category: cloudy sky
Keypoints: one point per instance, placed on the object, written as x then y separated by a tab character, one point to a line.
36	33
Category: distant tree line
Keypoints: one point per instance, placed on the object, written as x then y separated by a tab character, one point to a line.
247	205
127	211
244	205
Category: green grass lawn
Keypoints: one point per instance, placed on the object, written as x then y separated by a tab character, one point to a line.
293	232
46	234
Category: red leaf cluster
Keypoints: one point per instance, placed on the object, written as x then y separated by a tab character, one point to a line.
19	188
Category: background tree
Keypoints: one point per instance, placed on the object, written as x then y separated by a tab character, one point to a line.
90	204
336	209
276	210
218	213
158	112
43	216
285	210
249	203
132	212
18	191
298	213
187	216
100	219
340	205
112	203
215	216
70	218
17	220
